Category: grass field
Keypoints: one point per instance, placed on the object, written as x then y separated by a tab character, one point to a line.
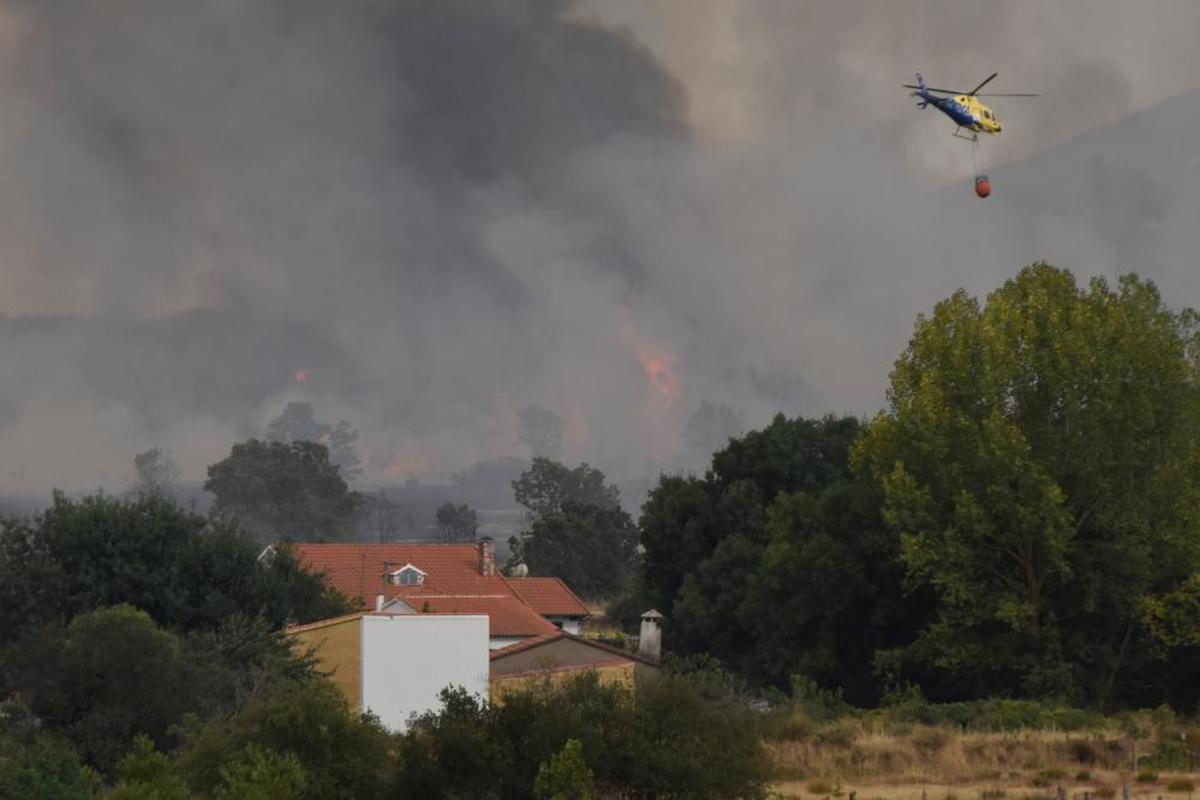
891	762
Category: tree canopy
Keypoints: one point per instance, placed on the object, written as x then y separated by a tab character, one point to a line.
187	571
1038	457
547	485
283	491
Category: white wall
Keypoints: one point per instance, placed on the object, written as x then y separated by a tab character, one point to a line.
408	659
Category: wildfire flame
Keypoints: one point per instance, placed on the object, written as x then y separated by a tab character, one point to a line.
660	408
659	366
300	375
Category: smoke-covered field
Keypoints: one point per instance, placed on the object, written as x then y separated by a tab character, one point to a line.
424	216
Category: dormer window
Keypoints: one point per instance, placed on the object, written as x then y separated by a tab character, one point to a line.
408	575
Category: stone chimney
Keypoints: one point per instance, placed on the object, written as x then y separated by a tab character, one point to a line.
487	556
650	636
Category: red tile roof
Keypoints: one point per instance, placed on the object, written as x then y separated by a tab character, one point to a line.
507	616
357	570
550	596
453	583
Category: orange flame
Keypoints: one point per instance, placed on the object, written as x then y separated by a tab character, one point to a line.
300	375
659	366
660	410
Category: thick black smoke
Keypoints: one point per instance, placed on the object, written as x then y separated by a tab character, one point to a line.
425	215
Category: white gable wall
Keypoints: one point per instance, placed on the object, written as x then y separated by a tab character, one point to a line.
407	659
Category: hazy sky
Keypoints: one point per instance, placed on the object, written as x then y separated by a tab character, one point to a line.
424	215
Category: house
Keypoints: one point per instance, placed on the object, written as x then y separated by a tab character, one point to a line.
396	665
560	656
407	578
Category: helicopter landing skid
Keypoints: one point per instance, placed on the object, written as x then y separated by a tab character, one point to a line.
974	137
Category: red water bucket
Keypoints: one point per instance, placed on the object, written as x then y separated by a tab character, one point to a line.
983	187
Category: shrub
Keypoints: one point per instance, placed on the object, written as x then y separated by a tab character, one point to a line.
1180	785
819	787
1083	775
668	736
1146	776
1082	751
566	775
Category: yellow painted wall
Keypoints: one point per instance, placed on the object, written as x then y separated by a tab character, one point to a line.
338	650
616	674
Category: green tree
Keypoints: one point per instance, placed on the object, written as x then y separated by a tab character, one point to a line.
547	485
187	571
667	737
260	774
566	776
831	567
107	677
146	774
1039	464
293	723
283	491
705	539
457	523
593	549
35	766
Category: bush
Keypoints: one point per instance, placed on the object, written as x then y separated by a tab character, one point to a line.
668	736
1082	751
298	734
108	676
566	775
1180	785
1146	776
1047	777
1083	775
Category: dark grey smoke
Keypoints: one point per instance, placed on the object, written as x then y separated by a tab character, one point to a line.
423	216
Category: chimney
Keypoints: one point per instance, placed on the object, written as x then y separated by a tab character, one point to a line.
487	556
379	602
650	636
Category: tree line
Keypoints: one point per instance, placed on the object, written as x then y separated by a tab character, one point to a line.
1019	521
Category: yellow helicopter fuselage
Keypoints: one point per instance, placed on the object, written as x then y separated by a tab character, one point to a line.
984	120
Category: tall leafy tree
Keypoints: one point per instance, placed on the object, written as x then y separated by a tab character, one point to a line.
547	485
719	554
110	675
283	491
1039	461
592	548
187	571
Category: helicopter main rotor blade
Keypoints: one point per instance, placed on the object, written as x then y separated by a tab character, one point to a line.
985	83
1007	94
931	89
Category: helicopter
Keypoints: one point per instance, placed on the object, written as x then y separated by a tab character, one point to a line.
963	107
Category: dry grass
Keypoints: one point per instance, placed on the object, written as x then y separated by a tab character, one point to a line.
939	763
